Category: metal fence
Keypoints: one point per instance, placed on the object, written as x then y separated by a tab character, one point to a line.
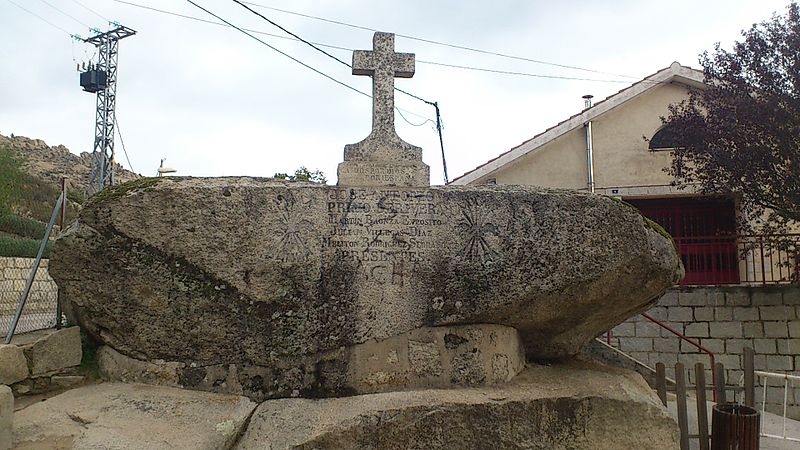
41	306
743	259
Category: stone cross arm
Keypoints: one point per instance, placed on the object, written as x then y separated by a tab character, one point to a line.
383	65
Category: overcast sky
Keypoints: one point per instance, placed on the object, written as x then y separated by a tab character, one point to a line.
215	102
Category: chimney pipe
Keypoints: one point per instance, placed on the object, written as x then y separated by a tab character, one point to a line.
587	99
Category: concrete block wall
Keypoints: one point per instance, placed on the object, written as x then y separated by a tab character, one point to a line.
724	320
13	273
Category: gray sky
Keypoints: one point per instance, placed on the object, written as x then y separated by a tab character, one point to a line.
214	102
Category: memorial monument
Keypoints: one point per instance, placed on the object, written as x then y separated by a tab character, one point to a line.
381	284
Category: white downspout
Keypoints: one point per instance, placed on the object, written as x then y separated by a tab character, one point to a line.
589	153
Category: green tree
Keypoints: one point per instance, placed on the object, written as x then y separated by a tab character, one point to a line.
740	134
303	174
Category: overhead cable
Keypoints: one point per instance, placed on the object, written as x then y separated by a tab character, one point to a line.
74	36
337	47
66	14
91	10
280	51
226	23
122	141
445	44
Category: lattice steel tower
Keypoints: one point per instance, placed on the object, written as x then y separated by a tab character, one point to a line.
102	79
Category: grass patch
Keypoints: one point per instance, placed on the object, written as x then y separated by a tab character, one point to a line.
22	248
28	196
22	226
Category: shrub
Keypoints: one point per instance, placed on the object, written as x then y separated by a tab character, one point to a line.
21	248
21	226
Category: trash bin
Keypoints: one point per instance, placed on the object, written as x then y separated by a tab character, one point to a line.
734	427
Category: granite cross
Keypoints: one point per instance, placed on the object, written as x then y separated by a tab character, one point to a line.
382	158
383	65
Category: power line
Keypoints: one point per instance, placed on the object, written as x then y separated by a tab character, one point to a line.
65	14
74	36
91	10
122	141
346	49
445	44
291	34
281	52
247	32
319	49
507	72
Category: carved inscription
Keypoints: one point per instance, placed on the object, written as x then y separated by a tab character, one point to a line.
385	232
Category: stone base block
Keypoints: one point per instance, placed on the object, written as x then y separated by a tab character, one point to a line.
381	173
442	357
575	405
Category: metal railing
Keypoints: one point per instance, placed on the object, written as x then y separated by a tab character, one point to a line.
740	259
786	379
693	343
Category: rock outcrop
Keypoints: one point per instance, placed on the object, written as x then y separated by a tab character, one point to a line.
272	276
52	163
567	406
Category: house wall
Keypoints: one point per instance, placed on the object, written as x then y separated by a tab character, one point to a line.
724	320
621	156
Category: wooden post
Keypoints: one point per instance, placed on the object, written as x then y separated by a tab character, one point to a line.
702	409
719	383
680	397
661	382
749	377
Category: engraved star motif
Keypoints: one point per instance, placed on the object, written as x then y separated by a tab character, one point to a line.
294	229
475	229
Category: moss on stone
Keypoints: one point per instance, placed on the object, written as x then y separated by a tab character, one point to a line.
657	228
146	184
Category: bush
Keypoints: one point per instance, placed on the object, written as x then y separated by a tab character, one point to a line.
22	248
21	226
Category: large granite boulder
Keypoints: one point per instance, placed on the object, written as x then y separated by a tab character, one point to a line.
267	275
567	406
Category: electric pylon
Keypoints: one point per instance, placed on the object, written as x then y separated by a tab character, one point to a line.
102	79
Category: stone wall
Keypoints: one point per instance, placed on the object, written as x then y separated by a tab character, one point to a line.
41	361
40	308
724	320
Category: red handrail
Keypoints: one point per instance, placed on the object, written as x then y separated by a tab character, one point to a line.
695	344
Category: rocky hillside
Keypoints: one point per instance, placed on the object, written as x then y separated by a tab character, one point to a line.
30	177
52	163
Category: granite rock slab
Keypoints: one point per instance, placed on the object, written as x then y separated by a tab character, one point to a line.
257	272
13	365
128	416
444	357
574	405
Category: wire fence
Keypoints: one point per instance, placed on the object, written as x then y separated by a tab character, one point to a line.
42	303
